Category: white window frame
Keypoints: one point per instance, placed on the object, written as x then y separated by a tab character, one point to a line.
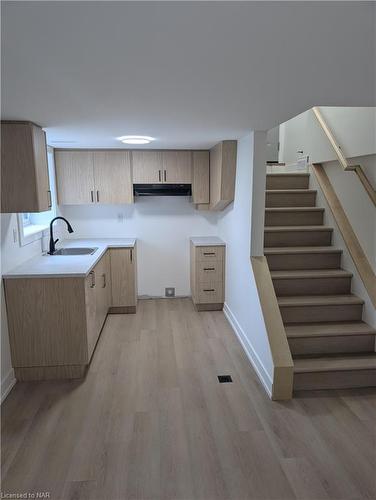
30	232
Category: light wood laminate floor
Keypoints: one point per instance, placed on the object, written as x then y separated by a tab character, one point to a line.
151	421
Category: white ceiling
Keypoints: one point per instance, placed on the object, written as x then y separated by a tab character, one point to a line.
188	73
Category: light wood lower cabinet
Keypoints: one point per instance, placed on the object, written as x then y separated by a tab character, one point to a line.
54	323
207	277
123	279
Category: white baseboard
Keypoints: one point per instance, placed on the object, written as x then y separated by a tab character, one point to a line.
7	384
252	355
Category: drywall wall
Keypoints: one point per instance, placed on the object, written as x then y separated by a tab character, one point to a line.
242	306
354	129
162	226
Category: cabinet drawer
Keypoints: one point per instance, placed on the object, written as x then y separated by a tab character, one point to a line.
210	271
205	254
210	293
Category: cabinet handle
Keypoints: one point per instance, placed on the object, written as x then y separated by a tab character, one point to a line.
165	176
97	195
131	255
104	280
209	253
209	289
92	279
159	175
209	268
92	196
49	199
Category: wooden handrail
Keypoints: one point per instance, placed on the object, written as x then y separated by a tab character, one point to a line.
342	159
355	249
283	372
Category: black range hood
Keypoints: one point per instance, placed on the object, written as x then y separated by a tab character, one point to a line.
162	189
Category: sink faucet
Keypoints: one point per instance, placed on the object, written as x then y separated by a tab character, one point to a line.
52	241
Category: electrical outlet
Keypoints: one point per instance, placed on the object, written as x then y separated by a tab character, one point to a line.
170	292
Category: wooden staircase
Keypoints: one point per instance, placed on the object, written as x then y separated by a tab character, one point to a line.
332	347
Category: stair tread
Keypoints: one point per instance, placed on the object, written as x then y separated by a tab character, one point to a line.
294	250
290	191
319	300
310	273
294	209
334	329
277	229
335	363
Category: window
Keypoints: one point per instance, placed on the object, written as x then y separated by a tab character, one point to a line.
26	219
32	226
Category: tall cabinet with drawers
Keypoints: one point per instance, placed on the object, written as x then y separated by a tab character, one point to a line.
208	273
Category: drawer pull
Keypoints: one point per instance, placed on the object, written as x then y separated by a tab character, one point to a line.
92	273
209	290
209	253
209	268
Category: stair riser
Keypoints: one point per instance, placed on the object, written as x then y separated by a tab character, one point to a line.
312	286
297	238
332	345
334	380
294	218
304	261
322	313
287	182
290	200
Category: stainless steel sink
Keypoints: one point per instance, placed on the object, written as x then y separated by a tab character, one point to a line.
76	251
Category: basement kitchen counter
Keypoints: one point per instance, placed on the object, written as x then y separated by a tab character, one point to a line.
60	266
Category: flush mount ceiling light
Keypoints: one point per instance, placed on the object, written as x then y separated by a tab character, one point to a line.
136	139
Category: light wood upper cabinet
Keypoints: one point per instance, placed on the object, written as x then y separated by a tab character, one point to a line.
112	177
222	174
74	177
147	167
200	180
86	177
123	278
25	185
177	167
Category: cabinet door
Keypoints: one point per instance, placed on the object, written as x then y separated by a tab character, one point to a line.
102	289
98	294
112	176
123	277
177	167
147	167
200	181
74	177
25	185
91	312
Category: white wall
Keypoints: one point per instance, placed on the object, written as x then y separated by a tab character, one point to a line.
242	305
354	129
162	226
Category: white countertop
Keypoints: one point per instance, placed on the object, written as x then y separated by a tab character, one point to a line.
207	241
60	266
